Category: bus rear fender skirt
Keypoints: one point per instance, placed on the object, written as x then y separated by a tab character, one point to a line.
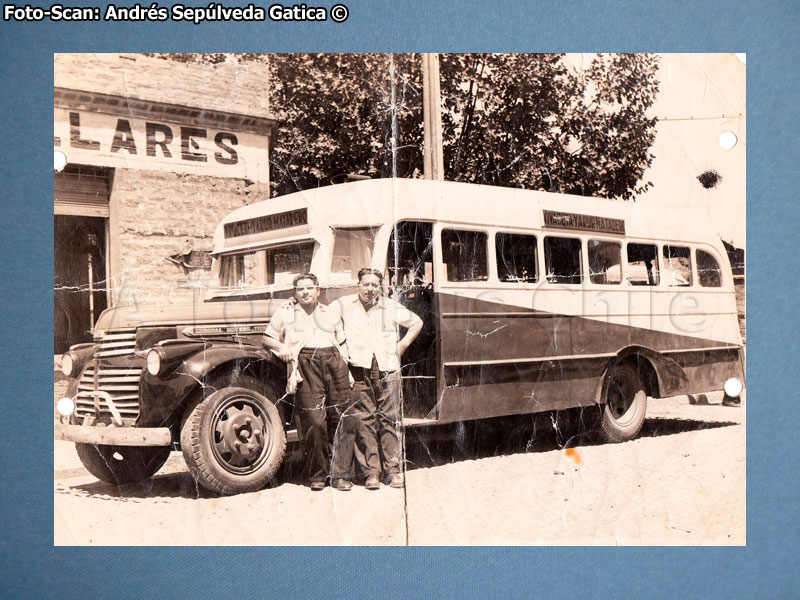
671	378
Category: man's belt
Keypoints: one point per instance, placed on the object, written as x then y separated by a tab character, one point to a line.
373	373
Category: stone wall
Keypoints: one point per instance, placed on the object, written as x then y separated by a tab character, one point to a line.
230	86
159	214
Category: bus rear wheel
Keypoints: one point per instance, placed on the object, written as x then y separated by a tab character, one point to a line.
233	441
625	404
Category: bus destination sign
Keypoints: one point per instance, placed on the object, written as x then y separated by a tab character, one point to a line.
564	220
284	220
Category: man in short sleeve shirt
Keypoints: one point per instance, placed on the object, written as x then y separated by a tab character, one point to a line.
311	333
371	324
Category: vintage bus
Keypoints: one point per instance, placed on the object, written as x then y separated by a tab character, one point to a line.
531	302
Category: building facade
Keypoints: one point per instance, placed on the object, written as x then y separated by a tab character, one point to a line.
151	151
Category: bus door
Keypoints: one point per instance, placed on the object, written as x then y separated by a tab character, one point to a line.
410	279
470	337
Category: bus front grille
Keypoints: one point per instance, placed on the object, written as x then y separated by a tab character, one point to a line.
119	343
121	385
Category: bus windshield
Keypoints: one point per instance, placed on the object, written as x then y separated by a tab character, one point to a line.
352	251
272	266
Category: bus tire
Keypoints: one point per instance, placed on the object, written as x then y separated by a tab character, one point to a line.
233	440
625	404
122	464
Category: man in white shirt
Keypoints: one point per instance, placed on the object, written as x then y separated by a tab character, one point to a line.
311	333
371	323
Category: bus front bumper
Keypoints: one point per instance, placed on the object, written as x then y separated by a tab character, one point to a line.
114	436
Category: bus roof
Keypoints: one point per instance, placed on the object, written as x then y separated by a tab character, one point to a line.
376	202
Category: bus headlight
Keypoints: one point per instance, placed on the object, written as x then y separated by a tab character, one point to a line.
733	387
67	364
154	360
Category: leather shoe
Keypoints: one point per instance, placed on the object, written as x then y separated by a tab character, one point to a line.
343	485
372	483
396	480
317	486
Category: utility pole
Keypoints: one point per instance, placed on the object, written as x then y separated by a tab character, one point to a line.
393	84
432	116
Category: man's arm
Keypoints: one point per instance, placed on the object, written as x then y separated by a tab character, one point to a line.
413	323
280	348
274	333
341	338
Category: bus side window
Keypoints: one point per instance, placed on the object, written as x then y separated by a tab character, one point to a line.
677	266
231	272
562	259
708	271
242	270
605	262
516	257
642	264
465	255
283	263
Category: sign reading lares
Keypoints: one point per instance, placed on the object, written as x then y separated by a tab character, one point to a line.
564	220
112	141
267	223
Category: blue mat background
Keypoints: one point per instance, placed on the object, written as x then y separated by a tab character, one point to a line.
766	568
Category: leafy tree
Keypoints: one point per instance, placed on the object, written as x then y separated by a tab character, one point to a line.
617	134
337	117
531	121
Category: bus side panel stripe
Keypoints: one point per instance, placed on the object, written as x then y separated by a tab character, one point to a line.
534	334
499	390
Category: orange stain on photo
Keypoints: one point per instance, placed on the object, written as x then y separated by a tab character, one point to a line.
573	454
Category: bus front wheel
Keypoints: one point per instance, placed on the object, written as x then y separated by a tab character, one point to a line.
625	404
122	464
233	440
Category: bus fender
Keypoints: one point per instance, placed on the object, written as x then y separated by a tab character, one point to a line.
671	378
161	396
204	362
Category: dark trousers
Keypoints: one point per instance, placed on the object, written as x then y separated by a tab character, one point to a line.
377	405
324	413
